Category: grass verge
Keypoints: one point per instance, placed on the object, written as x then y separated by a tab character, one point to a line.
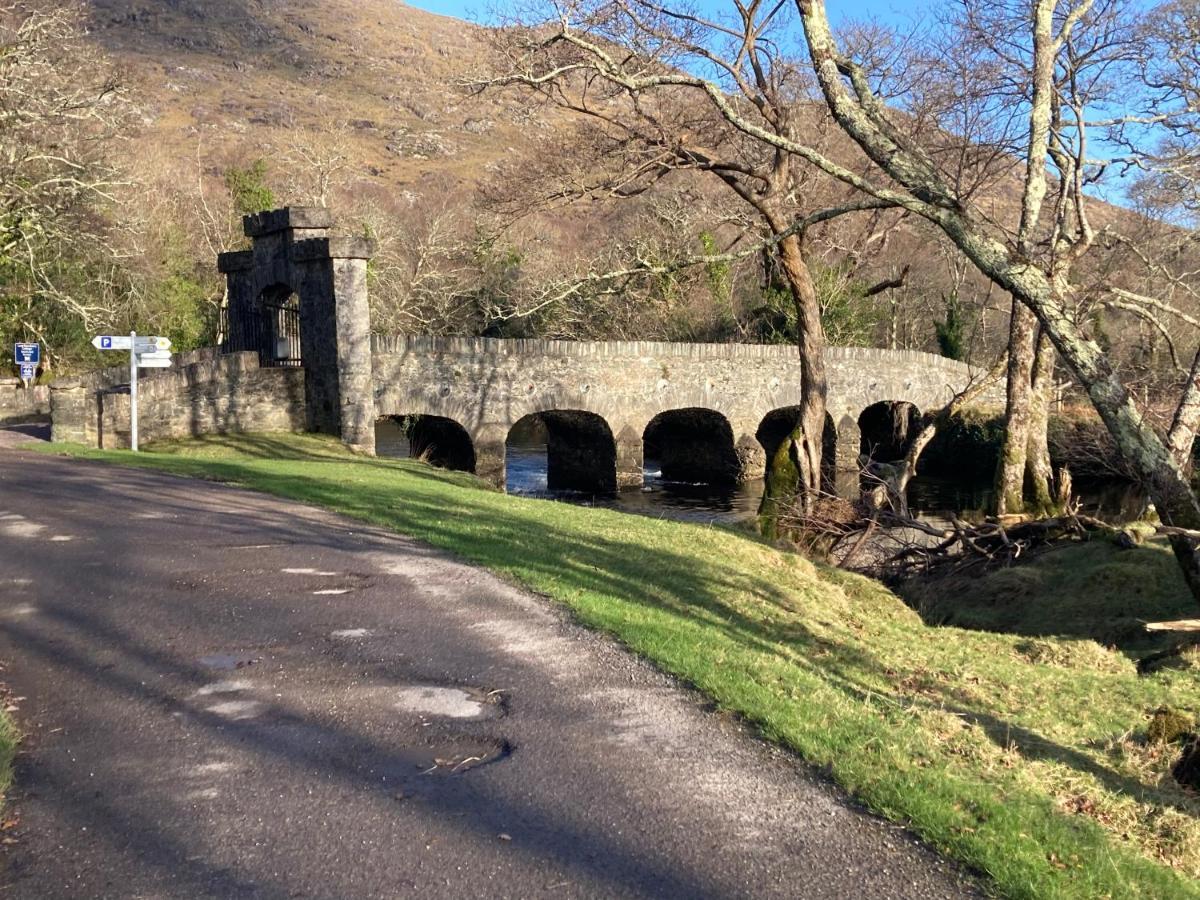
1026	758
1098	591
9	737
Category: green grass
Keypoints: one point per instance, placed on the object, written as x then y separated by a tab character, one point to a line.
9	737
1092	590
1025	758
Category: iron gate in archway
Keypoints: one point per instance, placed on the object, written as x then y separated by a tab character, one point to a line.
271	326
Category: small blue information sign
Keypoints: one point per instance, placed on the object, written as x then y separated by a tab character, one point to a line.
28	371
27	353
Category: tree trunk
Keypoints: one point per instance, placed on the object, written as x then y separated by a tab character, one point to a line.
1137	441
1010	471
1045	293
1182	437
794	474
1039	473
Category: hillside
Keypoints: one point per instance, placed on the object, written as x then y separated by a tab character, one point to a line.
259	76
379	87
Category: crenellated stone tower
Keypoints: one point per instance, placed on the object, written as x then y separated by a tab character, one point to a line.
298	297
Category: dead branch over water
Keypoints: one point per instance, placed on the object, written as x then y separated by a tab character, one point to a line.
886	542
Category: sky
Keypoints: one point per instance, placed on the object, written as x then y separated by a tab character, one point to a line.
888	11
903	14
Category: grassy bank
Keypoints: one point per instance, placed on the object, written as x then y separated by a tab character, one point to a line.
1026	757
1094	590
8	749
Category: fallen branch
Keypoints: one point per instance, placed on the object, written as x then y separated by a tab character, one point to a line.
1178	625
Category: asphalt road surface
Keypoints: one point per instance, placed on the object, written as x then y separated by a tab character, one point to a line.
228	695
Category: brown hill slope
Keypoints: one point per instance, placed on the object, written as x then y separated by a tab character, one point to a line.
259	75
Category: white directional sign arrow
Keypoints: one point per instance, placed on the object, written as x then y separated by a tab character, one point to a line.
112	342
153	354
126	342
150	344
154	362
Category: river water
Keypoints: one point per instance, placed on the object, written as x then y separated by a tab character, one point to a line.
930	498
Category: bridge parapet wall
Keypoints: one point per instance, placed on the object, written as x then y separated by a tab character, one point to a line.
206	393
19	403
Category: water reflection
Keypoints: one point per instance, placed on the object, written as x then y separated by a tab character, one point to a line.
929	497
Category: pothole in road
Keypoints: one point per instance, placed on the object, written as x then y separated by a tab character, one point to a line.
227	661
444	759
237	709
449	702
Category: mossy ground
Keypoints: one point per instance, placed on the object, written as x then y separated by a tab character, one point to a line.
1025	757
1092	590
9	737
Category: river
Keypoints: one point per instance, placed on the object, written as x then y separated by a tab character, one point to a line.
930	498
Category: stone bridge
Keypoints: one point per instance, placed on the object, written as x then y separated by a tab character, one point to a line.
298	352
710	412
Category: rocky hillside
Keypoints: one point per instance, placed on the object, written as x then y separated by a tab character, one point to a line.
260	76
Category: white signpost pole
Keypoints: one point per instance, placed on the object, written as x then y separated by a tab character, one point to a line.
133	373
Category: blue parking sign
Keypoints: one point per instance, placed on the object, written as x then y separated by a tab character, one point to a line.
27	352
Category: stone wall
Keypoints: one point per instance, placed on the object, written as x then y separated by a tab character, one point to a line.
487	385
205	393
21	404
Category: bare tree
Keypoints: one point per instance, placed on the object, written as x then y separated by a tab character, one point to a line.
60	108
1034	266
625	68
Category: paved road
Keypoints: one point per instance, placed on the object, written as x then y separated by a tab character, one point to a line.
229	695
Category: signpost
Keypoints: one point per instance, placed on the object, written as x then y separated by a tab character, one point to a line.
113	342
154	362
27	355
144	352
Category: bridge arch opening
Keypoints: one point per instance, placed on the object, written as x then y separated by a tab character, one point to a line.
775	427
562	450
887	430
436	440
692	445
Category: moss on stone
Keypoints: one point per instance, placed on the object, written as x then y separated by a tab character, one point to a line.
1168	725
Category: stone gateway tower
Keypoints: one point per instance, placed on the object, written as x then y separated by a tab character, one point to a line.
298	297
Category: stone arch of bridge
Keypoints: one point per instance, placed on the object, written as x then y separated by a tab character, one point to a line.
437	440
887	428
774	428
625	422
581	451
698	445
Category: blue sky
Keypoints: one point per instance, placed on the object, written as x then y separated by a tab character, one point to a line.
900	13
883	10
